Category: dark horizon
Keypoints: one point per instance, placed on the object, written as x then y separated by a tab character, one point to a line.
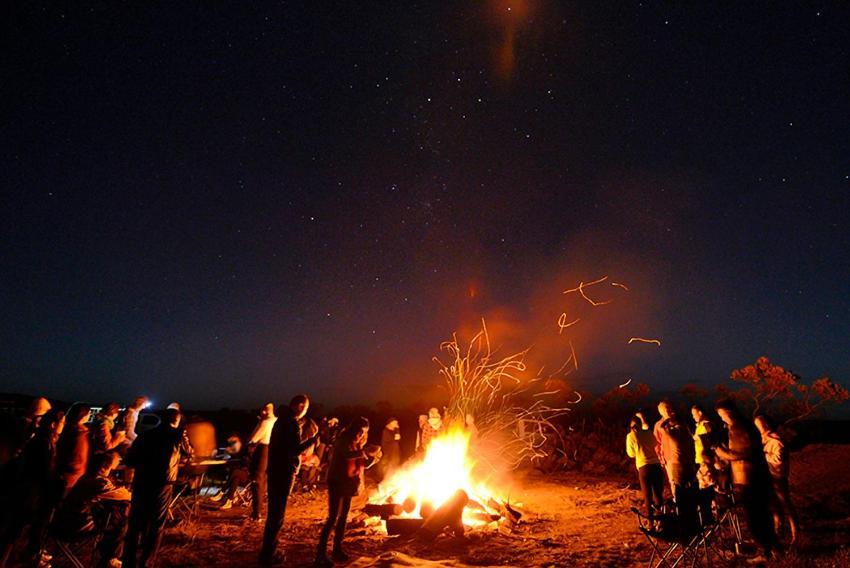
229	206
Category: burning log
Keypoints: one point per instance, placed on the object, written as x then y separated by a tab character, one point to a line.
509	515
385	511
404	527
450	514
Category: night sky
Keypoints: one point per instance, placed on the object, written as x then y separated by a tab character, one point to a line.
232	203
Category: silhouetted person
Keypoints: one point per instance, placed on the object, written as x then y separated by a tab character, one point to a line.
155	456
779	466
390	448
285	449
345	476
35	489
640	446
72	450
750	478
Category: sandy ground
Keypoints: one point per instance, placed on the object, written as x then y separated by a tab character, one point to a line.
572	520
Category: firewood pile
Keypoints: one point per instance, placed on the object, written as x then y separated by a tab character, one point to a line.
452	517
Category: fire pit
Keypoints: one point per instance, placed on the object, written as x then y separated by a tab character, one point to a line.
441	491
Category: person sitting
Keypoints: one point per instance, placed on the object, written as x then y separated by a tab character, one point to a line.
238	474
88	507
104	437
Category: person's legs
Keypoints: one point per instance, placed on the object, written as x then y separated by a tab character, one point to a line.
756	508
156	521
644	474
656	485
339	531
785	507
238	478
135	529
334	506
113	537
259	464
278	490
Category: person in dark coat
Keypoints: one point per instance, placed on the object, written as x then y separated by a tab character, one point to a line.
155	456
750	477
285	449
390	448
35	489
72	451
345	476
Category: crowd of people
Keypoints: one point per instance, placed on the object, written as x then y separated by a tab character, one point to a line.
73	472
746	459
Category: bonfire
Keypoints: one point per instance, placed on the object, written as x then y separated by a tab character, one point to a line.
460	482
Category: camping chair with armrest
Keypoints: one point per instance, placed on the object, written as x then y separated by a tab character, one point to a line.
675	535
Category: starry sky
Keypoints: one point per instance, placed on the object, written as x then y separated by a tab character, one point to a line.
228	203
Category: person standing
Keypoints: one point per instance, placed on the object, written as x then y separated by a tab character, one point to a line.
703	432
104	437
35	489
345	476
779	466
675	450
285	449
155	456
72	450
640	446
750	478
423	435
390	448
258	448
131	418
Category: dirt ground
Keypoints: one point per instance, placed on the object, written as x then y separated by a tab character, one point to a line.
572	520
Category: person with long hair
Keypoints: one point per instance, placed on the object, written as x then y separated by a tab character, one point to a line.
640	446
35	488
345	476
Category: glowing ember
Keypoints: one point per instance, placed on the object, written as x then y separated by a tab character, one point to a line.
447	467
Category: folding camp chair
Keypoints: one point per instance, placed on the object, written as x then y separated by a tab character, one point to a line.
80	544
242	496
185	502
677	536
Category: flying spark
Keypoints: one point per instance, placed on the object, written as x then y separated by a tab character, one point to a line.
623	286
642	340
562	322
624	385
580	289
